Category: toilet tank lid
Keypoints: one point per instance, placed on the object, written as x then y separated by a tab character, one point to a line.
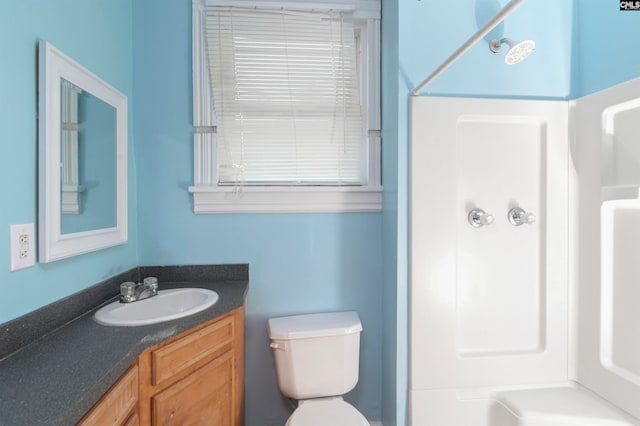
314	325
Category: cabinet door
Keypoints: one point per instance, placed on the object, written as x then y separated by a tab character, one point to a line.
202	398
117	404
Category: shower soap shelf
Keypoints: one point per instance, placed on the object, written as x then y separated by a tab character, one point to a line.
620	192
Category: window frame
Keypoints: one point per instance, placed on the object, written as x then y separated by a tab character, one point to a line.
209	197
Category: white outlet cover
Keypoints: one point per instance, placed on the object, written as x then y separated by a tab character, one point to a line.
22	241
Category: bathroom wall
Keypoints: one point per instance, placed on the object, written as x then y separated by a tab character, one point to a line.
298	262
393	383
97	34
582	47
431	31
607	52
606	225
428	32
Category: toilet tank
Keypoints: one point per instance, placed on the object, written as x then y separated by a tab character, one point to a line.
316	355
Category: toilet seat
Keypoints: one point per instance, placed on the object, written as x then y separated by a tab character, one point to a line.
323	412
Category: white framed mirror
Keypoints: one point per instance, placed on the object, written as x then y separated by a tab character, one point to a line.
82	153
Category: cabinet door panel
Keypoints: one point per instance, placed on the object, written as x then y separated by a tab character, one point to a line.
202	398
181	355
117	403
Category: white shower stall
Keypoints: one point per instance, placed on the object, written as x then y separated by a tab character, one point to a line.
525	260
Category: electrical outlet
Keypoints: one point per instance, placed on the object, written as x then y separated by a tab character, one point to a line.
22	246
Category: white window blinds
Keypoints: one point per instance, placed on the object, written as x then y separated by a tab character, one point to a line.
286	97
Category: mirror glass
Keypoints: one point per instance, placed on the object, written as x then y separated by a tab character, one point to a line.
88	161
82	152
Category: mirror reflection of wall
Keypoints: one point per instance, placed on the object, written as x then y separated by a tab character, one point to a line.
88	161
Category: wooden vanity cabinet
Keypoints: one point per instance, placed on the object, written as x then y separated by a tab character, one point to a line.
195	378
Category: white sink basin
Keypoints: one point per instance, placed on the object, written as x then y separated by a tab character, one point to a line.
166	306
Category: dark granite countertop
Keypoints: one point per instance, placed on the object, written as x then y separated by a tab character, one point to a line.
58	378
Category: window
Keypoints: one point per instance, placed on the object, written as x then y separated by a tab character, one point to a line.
286	107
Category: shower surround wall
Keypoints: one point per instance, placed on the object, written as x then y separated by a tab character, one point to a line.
605	230
500	307
488	305
573	59
428	32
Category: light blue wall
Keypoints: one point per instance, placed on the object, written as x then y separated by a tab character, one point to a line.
298	263
608	52
430	31
97	34
392	391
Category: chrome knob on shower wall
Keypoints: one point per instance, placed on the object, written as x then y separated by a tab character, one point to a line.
518	216
478	218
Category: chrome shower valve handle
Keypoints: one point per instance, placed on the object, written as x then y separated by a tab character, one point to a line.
478	218
518	216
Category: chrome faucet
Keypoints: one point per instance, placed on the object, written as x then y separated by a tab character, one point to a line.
132	292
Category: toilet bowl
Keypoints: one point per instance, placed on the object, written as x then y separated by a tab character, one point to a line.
326	411
317	360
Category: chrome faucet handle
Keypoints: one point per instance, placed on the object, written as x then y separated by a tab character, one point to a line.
151	282
518	216
127	292
478	218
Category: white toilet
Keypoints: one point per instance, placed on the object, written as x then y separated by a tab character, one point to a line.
317	358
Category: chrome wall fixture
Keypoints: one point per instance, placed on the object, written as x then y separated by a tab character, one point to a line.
478	218
518	216
518	51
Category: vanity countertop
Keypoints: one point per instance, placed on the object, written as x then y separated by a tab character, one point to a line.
57	379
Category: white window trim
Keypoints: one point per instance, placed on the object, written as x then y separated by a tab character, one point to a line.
209	197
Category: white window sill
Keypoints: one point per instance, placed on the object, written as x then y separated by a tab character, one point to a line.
221	199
